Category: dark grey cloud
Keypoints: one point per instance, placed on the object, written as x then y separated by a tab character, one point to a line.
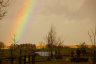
88	10
71	9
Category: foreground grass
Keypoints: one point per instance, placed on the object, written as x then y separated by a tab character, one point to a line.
43	60
61	62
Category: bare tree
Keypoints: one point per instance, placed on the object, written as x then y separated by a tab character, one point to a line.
54	44
59	46
92	36
59	43
51	41
13	45
14	41
3	6
83	48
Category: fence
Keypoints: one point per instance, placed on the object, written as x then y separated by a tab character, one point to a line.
25	59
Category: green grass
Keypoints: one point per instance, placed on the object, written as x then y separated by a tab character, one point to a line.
64	51
60	62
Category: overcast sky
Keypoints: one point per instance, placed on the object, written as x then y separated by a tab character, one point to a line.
71	18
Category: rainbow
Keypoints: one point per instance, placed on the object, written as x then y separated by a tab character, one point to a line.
22	17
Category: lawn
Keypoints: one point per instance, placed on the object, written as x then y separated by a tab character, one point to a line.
61	62
43	60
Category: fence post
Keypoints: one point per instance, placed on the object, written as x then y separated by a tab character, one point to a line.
12	61
24	60
0	61
29	59
20	57
33	57
20	61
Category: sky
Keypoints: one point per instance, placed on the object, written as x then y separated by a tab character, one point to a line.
72	19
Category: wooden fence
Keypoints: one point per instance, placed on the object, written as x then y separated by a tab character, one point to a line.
25	59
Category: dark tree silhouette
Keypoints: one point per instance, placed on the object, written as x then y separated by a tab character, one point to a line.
13	47
92	36
14	42
83	48
51	41
27	46
2	48
54	44
1	45
59	46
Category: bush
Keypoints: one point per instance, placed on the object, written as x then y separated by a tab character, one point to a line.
59	57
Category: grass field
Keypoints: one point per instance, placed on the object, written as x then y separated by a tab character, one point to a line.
43	60
63	61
